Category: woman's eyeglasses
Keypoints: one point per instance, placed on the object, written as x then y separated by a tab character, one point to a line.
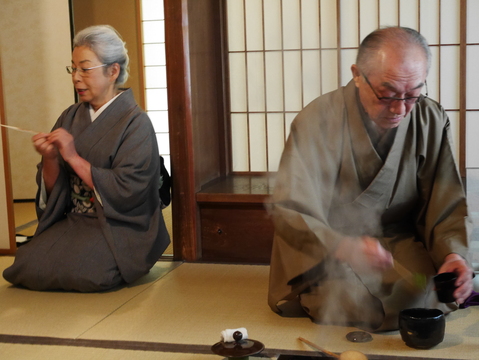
82	71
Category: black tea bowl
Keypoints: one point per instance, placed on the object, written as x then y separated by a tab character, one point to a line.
445	286
422	328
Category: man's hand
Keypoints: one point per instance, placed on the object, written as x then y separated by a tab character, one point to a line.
456	264
364	254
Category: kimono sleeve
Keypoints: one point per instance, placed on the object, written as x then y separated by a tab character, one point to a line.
131	184
304	189
443	220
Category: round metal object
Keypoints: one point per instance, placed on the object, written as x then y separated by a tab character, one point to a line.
359	336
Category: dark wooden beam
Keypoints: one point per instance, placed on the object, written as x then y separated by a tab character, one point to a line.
183	204
462	88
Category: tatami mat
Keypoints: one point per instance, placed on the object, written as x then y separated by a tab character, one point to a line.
211	298
64	314
25	218
18	351
186	309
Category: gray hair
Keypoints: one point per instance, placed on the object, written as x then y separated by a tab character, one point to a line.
400	36
108	45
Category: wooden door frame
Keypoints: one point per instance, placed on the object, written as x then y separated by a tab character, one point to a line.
8	178
196	110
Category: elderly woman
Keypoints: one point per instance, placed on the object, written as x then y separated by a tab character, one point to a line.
100	222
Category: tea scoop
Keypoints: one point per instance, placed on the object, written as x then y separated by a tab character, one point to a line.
346	355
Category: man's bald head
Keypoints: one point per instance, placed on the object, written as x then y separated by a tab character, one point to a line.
401	39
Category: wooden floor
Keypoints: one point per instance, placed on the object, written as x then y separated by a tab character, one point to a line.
26	221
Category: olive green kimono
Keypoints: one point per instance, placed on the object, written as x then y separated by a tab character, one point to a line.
333	182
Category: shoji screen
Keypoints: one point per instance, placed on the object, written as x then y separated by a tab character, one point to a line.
472	86
153	30
284	53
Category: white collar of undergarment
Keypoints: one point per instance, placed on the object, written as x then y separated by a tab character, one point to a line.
94	114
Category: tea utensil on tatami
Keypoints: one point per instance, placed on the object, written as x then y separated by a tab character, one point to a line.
314	346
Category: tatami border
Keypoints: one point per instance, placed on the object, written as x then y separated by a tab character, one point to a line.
167	347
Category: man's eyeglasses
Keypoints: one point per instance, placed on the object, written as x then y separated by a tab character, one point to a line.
387	100
82	71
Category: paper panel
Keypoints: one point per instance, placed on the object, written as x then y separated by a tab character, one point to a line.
152	10
254	24
154	54
276	140
292	80
409	13
455	128
288	119
153	32
311	76
348	58
472	21
155	76
257	135
159	119
429	17
450	21
450	77
255	73
329	70
472	70
156	99
349	23
291	25
328	24
274	80
368	21
388	12
472	145
235	18
239	142
272	25
163	143
433	76
310	24
237	72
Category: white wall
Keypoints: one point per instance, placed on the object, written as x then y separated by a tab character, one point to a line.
34	48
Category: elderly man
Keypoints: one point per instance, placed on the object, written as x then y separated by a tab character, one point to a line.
367	192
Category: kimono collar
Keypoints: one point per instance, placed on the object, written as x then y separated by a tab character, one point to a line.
374	172
94	114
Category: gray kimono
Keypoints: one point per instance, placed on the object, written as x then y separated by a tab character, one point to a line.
86	242
333	181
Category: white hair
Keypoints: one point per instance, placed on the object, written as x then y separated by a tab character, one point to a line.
108	45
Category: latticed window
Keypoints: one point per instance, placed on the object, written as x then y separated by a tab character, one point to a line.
153	30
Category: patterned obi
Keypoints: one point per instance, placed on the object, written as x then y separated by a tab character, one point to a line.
82	196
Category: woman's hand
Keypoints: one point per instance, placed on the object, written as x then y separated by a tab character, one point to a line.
64	142
44	146
456	264
364	254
